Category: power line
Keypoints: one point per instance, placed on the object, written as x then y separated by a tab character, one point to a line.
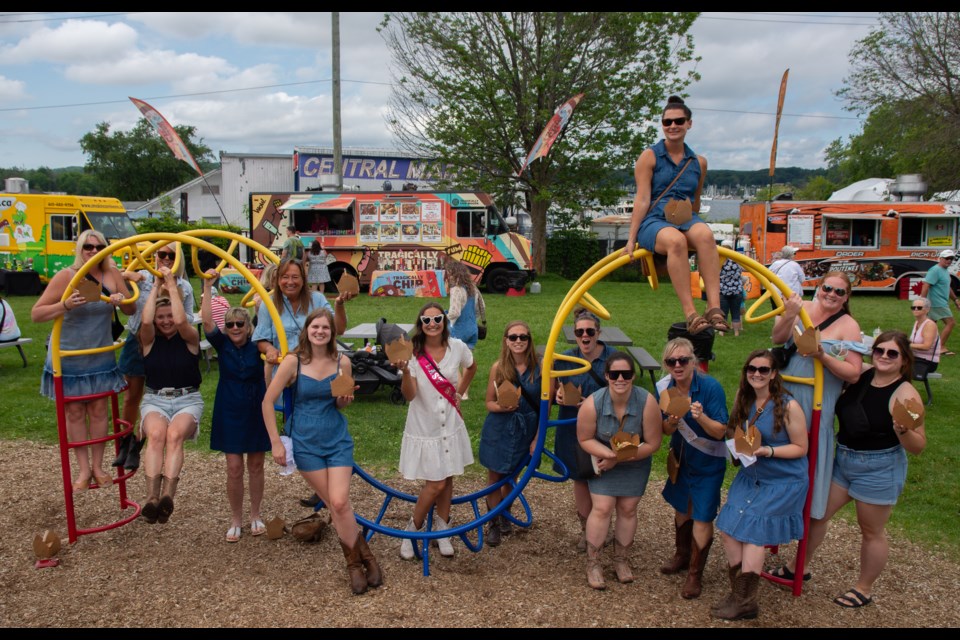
837	24
80	17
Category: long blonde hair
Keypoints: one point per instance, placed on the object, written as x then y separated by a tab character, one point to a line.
506	369
83	238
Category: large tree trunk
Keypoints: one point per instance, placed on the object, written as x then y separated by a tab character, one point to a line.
538	216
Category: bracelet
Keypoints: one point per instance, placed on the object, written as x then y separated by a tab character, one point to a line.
65	307
771	451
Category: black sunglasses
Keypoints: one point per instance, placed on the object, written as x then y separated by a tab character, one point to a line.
435	319
522	337
892	354
239	324
94	247
671	121
166	255
761	370
920	308
682	361
579	332
840	291
615	374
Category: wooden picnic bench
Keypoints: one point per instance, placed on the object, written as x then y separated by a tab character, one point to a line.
18	343
645	362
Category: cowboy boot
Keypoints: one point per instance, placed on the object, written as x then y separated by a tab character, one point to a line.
582	542
370	564
732	573
406	544
444	544
744	605
610	529
149	511
621	561
681	557
122	449
132	462
698	560
595	567
358	581
493	532
165	507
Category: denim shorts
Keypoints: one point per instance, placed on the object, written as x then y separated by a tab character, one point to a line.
131	361
169	408
874	477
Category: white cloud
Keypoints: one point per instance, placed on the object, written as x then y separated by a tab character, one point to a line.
75	41
12	91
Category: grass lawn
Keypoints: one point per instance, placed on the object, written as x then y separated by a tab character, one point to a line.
928	509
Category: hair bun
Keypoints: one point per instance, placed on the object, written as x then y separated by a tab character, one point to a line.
675	100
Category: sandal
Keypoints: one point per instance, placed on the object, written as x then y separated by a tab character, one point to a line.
233	534
257	528
717	319
852	599
103	481
79	486
696	323
785	573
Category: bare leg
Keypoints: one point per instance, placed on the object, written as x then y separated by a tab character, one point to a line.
333	486
429	495
700	239
131	400
255	480
874	547
702	533
155	429
673	244
598	523
626	524
582	498
235	488
948	325
494	497
76	414
97	413
181	427
818	528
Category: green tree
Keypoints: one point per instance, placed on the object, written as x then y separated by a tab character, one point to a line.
818	188
905	74
138	165
476	89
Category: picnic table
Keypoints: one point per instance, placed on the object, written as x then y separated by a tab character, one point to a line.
367	331
613	336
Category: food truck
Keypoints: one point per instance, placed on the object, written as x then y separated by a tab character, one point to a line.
883	246
407	232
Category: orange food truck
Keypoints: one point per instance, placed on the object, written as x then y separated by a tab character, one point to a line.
406	232
884	246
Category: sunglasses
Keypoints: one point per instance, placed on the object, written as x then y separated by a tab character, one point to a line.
839	291
761	370
94	247
522	337
682	361
616	374
435	319
671	121
239	324
917	308
166	255
891	354
579	332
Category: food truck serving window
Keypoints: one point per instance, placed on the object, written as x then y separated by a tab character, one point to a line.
851	230
471	223
920	232
63	227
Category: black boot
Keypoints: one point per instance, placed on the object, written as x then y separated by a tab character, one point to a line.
122	451
132	462
310	502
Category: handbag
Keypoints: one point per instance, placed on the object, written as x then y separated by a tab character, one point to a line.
586	465
782	354
482	330
116	327
676	211
309	529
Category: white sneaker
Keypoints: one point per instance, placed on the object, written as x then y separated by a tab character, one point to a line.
406	545
445	545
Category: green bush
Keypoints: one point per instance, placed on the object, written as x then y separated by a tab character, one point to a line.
570	252
169	224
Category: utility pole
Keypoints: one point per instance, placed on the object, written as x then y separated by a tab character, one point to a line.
337	140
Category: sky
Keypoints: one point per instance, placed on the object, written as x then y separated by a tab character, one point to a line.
261	82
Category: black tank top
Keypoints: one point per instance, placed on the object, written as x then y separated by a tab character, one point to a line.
170	364
864	414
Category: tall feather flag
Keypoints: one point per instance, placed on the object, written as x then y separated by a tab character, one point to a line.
776	129
550	132
168	133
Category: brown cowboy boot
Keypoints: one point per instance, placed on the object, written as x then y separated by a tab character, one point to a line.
681	557
358	581
369	561
698	559
732	573
582	542
149	511
744	605
165	507
621	561
595	567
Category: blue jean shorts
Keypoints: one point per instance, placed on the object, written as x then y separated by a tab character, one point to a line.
169	408
873	477
131	361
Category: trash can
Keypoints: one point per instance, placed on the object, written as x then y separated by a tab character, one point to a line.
702	342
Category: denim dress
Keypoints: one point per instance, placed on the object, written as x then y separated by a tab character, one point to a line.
627	479
506	437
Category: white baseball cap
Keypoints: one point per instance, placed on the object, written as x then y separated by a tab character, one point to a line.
788	251
948	253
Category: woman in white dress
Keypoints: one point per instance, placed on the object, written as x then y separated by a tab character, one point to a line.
435	444
317	275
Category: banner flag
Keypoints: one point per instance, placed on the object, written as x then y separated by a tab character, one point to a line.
550	132
168	133
776	128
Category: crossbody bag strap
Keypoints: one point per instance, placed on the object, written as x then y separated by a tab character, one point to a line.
526	396
672	182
